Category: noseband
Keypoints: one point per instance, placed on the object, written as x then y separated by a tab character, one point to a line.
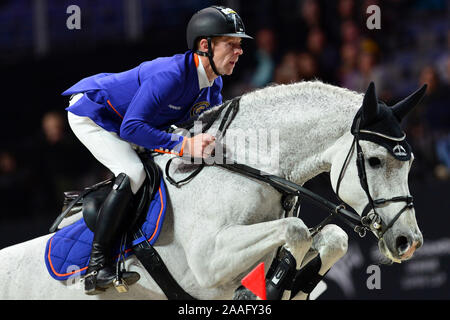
370	219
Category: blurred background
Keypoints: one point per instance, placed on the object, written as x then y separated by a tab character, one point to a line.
295	40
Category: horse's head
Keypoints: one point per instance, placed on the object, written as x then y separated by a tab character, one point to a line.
372	174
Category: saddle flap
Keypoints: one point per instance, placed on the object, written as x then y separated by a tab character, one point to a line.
92	203
70	246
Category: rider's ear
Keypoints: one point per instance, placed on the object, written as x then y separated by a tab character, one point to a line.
202	44
402	108
370	104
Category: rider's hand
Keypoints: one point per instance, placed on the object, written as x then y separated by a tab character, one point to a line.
200	146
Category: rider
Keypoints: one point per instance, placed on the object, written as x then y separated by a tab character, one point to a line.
109	112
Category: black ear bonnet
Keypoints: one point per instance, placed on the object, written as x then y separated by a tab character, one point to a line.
380	123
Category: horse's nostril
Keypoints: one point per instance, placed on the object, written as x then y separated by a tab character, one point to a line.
402	244
419	244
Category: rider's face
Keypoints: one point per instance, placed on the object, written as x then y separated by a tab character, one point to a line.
226	53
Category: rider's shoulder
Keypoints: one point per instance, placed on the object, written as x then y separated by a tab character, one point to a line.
173	63
166	68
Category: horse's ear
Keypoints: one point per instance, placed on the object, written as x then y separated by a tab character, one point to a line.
402	108
370	104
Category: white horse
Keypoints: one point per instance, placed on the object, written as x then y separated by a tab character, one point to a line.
222	224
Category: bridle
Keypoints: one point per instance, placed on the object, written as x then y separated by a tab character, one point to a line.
370	219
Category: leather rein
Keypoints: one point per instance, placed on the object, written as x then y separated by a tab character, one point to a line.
292	193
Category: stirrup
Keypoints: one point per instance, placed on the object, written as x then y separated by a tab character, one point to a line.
121	285
120	282
91	288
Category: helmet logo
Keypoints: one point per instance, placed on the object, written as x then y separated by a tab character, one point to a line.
399	151
227	11
231	15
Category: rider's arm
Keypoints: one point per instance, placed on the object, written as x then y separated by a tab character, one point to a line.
153	94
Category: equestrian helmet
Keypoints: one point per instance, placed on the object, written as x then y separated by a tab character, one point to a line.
212	22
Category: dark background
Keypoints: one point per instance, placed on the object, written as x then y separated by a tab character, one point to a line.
295	40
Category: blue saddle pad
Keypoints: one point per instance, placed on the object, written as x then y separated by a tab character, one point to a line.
68	250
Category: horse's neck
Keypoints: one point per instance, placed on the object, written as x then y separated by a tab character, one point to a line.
300	122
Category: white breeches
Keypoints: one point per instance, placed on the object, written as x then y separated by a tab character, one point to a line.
107	147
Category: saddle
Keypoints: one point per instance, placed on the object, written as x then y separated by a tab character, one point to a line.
90	200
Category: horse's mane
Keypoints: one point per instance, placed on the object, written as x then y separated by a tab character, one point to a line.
278	94
304	89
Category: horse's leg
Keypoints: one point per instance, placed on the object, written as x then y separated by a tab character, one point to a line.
220	257
329	245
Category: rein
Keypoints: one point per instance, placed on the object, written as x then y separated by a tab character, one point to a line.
233	108
290	190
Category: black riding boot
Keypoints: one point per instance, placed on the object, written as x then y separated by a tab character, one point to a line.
110	224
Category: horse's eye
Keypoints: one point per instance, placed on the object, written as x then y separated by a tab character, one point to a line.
375	162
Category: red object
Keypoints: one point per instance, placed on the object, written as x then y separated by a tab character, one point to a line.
255	281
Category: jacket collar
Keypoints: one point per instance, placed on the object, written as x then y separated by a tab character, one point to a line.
203	81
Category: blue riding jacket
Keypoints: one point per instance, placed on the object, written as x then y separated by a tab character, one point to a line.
139	104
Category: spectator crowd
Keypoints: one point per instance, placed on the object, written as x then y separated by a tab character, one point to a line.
311	39
294	41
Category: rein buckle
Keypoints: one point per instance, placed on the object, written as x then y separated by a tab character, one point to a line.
361	231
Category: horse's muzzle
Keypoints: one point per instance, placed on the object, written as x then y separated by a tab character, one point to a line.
405	245
400	247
